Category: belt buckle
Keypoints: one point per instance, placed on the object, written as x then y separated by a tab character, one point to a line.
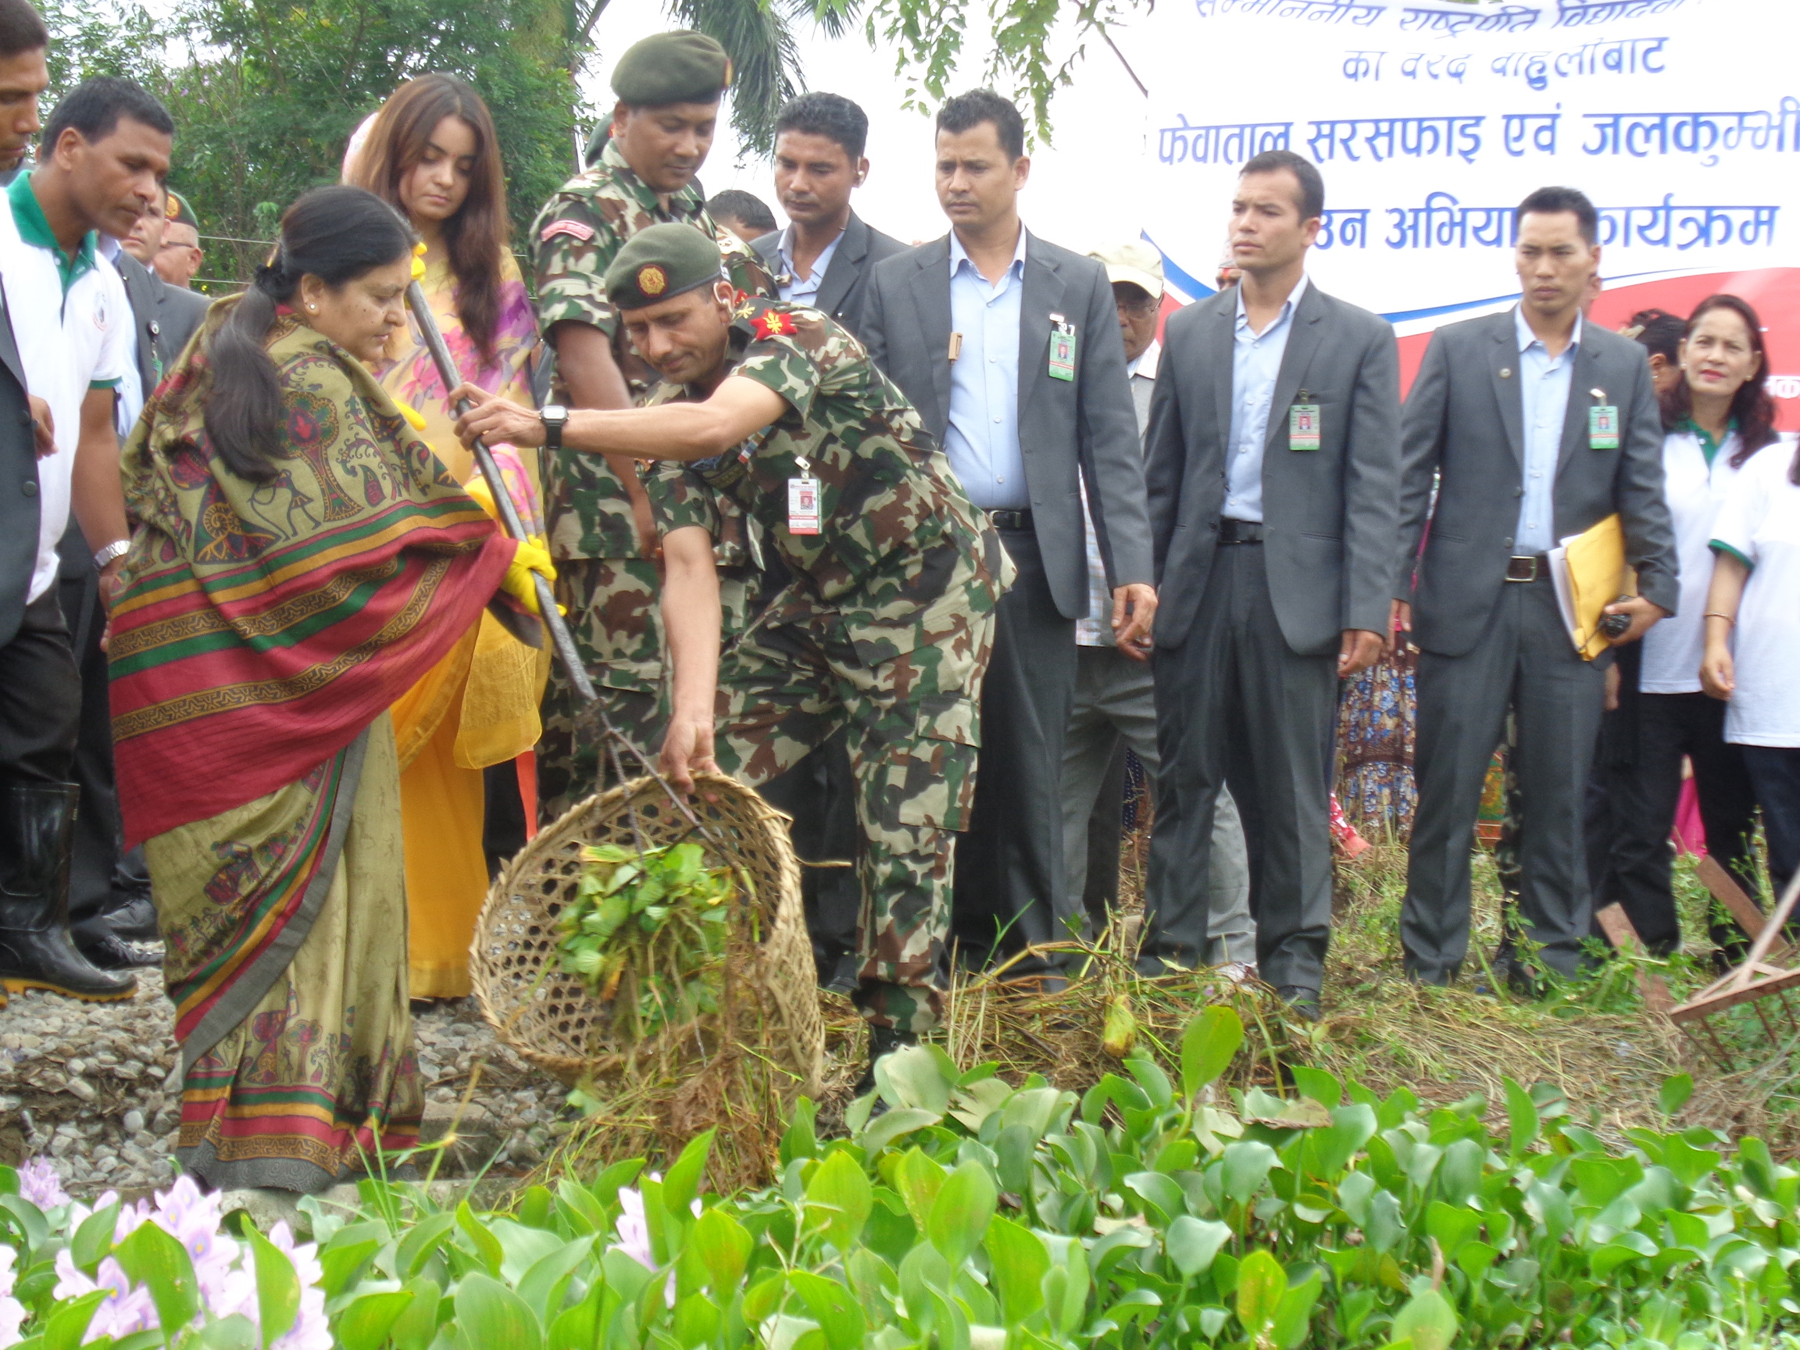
1529	566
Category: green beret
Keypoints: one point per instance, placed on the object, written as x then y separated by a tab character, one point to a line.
179	212
661	262
678	67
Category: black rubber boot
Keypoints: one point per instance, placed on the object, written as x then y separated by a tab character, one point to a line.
36	828
882	1041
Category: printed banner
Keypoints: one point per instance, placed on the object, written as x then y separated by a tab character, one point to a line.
1680	119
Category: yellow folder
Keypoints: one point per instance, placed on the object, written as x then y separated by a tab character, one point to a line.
1590	574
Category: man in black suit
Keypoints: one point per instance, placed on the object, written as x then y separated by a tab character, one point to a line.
823	259
1274	473
825	255
111	917
1009	347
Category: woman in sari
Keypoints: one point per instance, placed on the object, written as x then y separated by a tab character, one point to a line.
298	560
431	153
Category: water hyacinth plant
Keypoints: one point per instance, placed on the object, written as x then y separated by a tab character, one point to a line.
1149	1213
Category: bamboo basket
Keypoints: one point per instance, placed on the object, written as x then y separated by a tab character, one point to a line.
738	1068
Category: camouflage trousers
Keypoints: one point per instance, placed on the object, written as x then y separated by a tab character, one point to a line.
912	721
615	620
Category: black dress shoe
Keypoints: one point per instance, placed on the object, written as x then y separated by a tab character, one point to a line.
1301	1001
844	976
36	832
882	1041
109	951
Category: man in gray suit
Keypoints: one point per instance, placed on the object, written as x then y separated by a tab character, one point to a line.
827	252
1115	694
1273	474
1009	348
1533	425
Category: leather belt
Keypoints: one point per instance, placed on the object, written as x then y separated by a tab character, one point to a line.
1010	520
1240	531
1530	567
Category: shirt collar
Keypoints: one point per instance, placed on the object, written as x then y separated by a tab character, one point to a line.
34	229
1522	331
785	249
1287	308
959	255
683	204
1147	362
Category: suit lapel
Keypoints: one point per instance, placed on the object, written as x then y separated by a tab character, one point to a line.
846	264
1509	384
1221	343
1303	341
9	349
931	299
1042	296
1582	379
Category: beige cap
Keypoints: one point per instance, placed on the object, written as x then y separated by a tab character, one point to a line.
1133	261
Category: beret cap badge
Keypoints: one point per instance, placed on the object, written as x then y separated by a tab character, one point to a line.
652	280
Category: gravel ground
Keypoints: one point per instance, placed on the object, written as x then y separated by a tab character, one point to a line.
87	1084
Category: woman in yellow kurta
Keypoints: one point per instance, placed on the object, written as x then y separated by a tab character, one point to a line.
431	152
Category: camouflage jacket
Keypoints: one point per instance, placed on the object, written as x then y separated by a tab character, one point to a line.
899	542
573	241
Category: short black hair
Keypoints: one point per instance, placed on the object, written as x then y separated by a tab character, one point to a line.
95	106
1553	201
21	29
1312	187
816	113
967	111
1659	331
737	204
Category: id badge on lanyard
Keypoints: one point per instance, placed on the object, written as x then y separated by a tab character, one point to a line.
803	499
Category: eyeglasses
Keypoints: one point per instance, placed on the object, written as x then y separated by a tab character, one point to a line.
1139	309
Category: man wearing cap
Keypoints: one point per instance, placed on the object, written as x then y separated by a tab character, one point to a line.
1115	700
886	627
641	172
178	258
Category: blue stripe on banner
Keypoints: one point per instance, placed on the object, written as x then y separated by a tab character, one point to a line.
1173	273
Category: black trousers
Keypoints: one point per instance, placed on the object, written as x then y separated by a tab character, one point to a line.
1236	706
1643	784
820	794
40	698
1523	660
102	875
1009	866
1775	774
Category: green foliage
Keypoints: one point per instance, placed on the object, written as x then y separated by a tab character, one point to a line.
647	933
265	95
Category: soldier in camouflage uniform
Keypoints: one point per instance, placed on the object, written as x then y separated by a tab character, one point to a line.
641	173
886	627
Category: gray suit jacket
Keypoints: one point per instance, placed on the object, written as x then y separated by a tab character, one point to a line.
844	290
1328	514
166	317
18	483
1067	428
1463	430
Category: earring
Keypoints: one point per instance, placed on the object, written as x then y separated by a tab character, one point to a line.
312	309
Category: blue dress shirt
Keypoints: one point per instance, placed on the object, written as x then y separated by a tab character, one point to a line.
1255	364
795	289
983	437
1544	389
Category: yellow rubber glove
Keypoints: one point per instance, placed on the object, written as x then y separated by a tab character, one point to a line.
414	418
532	558
418	262
477	488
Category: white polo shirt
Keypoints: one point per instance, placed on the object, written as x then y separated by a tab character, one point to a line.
1694	490
73	328
1760	523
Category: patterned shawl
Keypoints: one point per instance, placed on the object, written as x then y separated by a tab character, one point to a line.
262	626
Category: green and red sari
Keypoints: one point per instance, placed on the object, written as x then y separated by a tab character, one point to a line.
261	633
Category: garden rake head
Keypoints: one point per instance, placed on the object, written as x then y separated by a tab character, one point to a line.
1760	983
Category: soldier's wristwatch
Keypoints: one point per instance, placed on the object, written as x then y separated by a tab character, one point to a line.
554	417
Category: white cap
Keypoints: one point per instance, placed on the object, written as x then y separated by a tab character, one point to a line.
1134	261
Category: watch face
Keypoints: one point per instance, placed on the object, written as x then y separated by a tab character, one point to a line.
555	412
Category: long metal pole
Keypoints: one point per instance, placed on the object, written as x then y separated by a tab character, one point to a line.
560	637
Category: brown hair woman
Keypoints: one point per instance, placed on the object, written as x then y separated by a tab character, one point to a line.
432	154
